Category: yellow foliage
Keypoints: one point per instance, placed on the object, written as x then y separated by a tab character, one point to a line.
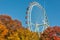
13	30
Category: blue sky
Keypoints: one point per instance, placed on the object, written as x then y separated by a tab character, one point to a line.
17	9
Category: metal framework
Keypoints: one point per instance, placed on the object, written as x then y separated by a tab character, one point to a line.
28	17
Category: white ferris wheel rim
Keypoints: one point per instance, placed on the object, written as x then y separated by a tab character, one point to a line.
29	13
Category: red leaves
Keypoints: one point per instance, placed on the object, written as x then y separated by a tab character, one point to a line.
10	28
51	33
56	38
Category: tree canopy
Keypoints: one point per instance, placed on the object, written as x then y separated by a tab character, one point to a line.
13	30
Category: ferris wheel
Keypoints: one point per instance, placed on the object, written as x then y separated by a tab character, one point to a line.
29	22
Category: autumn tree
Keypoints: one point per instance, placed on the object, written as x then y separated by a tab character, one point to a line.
13	30
51	33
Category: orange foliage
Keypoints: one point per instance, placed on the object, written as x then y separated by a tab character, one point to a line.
3	29
51	33
13	30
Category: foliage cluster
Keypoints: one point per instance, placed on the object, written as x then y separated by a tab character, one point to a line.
51	33
13	30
